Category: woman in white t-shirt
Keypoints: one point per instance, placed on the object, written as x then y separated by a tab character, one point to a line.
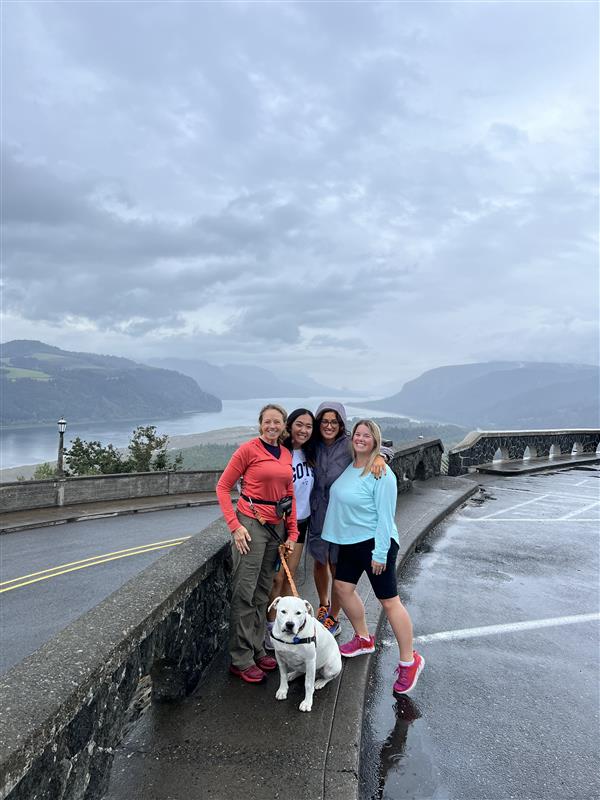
301	442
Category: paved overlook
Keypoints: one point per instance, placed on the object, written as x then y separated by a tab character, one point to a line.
504	600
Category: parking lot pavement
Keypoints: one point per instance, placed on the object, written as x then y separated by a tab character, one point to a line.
504	600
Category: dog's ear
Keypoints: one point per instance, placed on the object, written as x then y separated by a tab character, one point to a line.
309	608
274	603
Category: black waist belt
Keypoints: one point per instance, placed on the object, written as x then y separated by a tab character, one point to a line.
256	500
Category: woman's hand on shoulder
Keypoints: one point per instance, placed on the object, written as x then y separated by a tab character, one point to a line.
241	539
378	467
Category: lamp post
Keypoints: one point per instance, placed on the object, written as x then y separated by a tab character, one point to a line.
62	426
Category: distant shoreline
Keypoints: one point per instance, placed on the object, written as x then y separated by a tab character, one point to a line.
235	435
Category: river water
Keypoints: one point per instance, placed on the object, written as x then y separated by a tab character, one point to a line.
31	445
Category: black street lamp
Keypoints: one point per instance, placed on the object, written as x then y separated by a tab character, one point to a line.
62	427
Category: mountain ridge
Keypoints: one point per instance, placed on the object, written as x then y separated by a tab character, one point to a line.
523	394
41	382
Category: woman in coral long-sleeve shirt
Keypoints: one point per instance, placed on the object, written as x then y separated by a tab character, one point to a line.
264	469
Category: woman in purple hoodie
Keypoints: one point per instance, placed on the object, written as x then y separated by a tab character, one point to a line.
333	455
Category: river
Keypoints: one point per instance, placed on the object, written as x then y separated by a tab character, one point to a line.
32	445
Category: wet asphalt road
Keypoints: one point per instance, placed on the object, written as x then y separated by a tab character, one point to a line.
31	614
513	714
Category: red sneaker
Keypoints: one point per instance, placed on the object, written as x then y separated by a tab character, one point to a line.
266	663
252	674
358	646
407	677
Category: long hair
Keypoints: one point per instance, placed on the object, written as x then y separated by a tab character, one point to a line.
376	434
341	429
309	448
273	407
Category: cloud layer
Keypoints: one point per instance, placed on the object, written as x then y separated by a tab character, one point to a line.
357	191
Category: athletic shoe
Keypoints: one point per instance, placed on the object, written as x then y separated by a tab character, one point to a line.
332	625
322	613
357	646
266	663
407	677
268	642
251	674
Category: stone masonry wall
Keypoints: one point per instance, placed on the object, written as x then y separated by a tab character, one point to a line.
479	448
418	460
23	495
62	709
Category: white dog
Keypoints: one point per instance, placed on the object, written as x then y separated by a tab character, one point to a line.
302	645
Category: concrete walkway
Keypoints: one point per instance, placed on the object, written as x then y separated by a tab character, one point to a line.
231	739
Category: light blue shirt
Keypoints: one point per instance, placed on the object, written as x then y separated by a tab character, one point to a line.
362	508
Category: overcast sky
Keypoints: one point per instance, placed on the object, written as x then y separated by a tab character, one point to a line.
355	191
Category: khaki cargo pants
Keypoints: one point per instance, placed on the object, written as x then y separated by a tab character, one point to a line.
251	586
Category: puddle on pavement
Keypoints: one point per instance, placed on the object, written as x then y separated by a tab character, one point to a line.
396	755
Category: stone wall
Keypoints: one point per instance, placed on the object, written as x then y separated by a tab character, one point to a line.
418	460
479	447
63	708
23	495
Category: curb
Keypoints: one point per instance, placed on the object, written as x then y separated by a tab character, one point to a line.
536	468
48	523
341	773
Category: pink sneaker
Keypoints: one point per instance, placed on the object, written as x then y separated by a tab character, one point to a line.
408	676
358	646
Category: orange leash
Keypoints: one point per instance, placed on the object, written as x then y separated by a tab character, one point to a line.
282	556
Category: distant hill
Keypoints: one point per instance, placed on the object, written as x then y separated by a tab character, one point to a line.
40	383
502	394
243	381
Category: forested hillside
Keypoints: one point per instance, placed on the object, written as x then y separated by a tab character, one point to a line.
504	394
40	383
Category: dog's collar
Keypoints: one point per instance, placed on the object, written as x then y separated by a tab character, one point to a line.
298	639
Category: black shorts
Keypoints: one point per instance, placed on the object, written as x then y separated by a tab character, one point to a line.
354	559
302	529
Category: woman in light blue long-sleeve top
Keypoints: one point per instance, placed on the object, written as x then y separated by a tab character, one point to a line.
360	519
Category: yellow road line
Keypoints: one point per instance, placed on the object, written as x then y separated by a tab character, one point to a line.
92	564
93	558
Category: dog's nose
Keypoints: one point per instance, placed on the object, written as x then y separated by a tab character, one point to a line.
289	625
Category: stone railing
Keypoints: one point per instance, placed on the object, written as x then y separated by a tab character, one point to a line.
24	495
418	460
481	447
63	709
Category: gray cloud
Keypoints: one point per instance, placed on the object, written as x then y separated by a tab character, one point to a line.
332	184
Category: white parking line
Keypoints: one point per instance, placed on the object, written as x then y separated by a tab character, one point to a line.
518	505
527	519
511	627
580	511
568	495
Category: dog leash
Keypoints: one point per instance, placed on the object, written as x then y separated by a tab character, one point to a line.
282	556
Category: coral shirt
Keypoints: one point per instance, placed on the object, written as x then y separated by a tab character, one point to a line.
263	477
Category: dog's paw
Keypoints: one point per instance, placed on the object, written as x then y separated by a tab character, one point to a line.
281	694
320	683
305	705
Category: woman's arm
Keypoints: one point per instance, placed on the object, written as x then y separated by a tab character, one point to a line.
238	463
385	493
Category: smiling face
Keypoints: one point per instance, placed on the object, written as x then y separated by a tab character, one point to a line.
329	426
301	430
271	425
363	441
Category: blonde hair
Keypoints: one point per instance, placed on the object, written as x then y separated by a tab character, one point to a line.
376	434
281	410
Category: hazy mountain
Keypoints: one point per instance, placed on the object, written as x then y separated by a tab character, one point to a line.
243	381
503	394
40	383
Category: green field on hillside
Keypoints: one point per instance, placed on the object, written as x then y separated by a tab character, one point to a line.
14	373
